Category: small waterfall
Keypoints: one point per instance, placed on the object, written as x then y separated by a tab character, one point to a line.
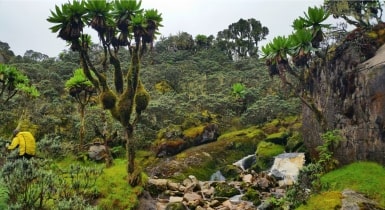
236	198
246	162
217	176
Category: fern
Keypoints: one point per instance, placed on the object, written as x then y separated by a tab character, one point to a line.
4	196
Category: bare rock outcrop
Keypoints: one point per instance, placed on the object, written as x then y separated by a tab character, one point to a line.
349	91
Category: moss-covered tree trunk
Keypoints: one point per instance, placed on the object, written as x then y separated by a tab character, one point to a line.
130	147
82	123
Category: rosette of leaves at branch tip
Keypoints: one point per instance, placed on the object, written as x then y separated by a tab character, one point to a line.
98	15
276	53
123	13
302	46
153	19
313	19
80	87
145	27
68	20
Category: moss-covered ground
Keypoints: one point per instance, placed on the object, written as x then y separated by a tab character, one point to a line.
363	177
323	201
114	190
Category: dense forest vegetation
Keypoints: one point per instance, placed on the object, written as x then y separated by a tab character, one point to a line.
85	96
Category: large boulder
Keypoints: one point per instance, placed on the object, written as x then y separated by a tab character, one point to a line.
170	143
97	152
349	93
286	167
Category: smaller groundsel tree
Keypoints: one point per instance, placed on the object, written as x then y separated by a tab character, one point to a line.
81	89
119	24
13	82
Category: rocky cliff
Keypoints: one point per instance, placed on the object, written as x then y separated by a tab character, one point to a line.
348	89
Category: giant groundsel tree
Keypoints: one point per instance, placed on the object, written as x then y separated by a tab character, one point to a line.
300	47
119	24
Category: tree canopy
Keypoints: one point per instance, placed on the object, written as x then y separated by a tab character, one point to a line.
241	39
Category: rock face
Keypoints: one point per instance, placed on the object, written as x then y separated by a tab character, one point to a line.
349	92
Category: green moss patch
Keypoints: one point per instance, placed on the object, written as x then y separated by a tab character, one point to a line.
266	151
277	138
222	189
194	131
323	201
252	133
114	188
362	177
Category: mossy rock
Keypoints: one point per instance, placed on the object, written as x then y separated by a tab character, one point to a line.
251	133
194	131
266	151
164	148
231	172
176	206
278	138
199	160
296	126
252	195
290	120
271	127
170	131
222	189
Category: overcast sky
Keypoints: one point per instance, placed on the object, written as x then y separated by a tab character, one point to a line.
23	23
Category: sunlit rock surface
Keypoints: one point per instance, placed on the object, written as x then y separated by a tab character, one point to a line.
286	167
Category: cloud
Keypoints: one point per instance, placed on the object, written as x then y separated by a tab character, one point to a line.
24	24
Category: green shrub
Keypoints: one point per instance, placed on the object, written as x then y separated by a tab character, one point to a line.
331	139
